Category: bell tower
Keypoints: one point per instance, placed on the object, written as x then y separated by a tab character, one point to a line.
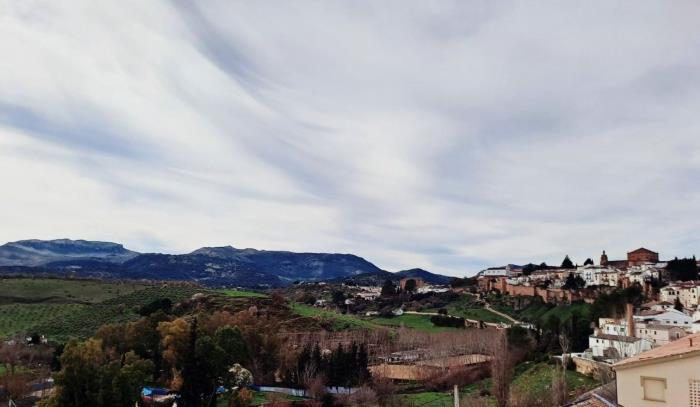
603	259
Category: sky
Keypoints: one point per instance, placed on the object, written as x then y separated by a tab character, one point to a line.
450	136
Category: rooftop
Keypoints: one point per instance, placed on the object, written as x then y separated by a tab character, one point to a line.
618	338
684	346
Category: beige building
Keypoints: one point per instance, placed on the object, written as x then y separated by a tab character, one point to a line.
659	334
665	376
687	292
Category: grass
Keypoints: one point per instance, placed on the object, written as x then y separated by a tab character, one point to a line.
464	307
480	314
413	321
428	399
49	290
18	369
535	379
242	294
260	398
337	320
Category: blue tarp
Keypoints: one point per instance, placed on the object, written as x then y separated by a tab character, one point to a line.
154	391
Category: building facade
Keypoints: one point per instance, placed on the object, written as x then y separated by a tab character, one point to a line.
668	375
642	256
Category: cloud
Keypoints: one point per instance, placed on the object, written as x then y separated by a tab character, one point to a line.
449	136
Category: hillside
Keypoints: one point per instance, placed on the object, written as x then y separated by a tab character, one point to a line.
428	277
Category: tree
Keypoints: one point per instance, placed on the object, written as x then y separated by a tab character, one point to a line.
338	297
410	285
574	282
677	305
559	390
230	339
588	262
89	376
682	269
240	376
529	269
501	370
388	289
567	263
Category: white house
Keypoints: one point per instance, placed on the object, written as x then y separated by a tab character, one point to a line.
669	293
617	347
497	272
668	317
599	275
640	274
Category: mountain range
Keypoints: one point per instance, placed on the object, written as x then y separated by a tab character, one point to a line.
225	266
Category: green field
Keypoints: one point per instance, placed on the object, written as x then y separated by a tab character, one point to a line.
21	318
61	309
50	290
242	294
466	308
260	398
413	321
337	320
427	399
85	321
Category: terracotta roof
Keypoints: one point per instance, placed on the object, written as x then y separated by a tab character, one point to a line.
679	347
591	400
642	249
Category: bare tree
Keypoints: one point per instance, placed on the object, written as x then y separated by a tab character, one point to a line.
501	369
559	391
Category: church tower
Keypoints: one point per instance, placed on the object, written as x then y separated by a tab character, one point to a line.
603	259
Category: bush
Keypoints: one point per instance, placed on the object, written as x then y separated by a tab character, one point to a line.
448	321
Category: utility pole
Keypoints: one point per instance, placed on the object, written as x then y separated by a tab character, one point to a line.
456	390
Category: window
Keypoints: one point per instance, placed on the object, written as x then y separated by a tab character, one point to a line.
694	393
654	388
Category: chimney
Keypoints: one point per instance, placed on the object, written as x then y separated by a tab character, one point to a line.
629	314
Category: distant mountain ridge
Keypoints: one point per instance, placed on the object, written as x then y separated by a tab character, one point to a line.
223	265
40	252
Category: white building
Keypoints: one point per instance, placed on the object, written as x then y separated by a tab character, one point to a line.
497	272
668	317
640	274
433	289
669	293
599	275
617	347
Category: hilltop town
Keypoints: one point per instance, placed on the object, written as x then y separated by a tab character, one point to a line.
586	333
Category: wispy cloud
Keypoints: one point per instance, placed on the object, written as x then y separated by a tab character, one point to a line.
449	136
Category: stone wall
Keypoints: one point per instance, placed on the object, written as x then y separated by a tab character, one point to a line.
591	367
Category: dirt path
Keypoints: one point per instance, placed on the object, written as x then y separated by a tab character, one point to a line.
499	313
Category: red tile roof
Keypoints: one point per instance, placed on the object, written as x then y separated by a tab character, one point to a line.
687	345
